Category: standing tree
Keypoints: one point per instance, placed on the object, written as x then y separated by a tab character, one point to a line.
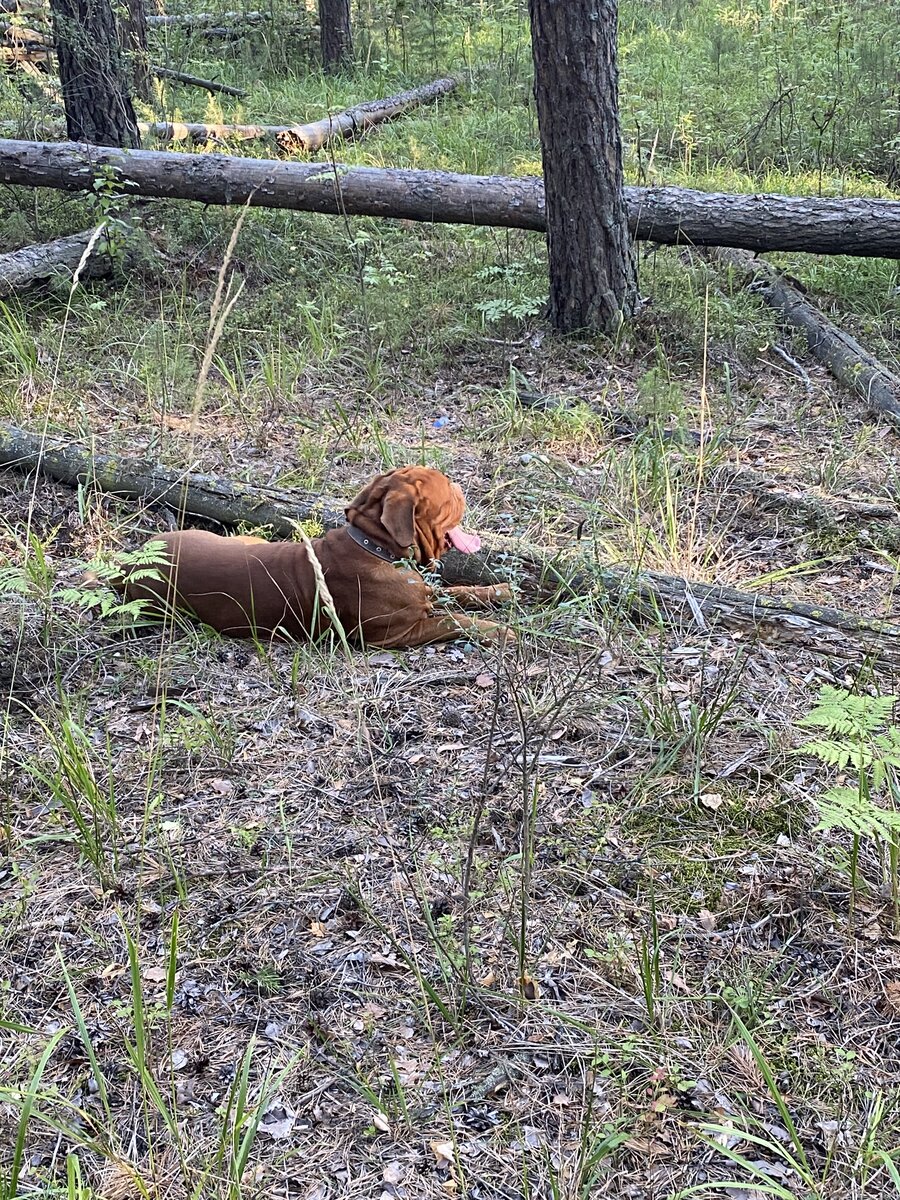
92	75
335	34
593	280
133	43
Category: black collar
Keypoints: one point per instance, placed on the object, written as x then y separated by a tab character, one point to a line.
369	544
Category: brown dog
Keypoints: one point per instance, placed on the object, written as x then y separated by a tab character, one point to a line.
248	587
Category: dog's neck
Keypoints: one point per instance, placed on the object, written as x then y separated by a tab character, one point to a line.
370	544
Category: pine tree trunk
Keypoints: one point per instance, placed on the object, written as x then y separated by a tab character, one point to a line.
91	74
593	281
133	38
335	33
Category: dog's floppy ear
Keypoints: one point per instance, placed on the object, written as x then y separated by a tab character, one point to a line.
398	516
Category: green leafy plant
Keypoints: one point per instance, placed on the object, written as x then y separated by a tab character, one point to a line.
860	740
110	204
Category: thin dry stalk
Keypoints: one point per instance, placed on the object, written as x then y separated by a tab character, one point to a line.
223	302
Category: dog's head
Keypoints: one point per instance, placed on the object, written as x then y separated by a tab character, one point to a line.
414	511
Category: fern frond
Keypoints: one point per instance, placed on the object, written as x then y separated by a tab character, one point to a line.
839	754
14	581
841	712
844	808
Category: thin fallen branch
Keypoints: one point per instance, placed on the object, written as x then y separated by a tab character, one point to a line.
22	269
645	593
845	358
210	85
676	215
313	136
802	500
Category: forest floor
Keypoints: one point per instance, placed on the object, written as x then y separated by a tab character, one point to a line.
551	922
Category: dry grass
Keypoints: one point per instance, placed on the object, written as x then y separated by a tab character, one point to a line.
642	868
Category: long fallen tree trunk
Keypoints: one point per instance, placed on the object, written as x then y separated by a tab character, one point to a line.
667	215
849	362
316	134
31	265
199	20
648	594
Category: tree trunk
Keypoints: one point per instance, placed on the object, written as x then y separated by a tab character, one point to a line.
91	74
347	124
31	265
593	281
335	33
849	362
133	35
673	215
648	594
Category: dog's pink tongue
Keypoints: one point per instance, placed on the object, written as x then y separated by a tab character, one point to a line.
467	543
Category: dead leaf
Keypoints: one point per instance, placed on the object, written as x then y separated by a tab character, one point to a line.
154	974
317	929
484	681
712	800
530	989
278	1120
443	1152
451	746
707	920
489	980
393	1172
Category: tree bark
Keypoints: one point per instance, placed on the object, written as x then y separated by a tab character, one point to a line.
676	215
348	124
133	36
210	85
32	265
647	594
91	74
593	280
849	362
335	33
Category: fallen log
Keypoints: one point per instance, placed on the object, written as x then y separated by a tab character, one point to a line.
32	265
20	35
845	358
647	594
676	215
209	85
199	20
316	134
